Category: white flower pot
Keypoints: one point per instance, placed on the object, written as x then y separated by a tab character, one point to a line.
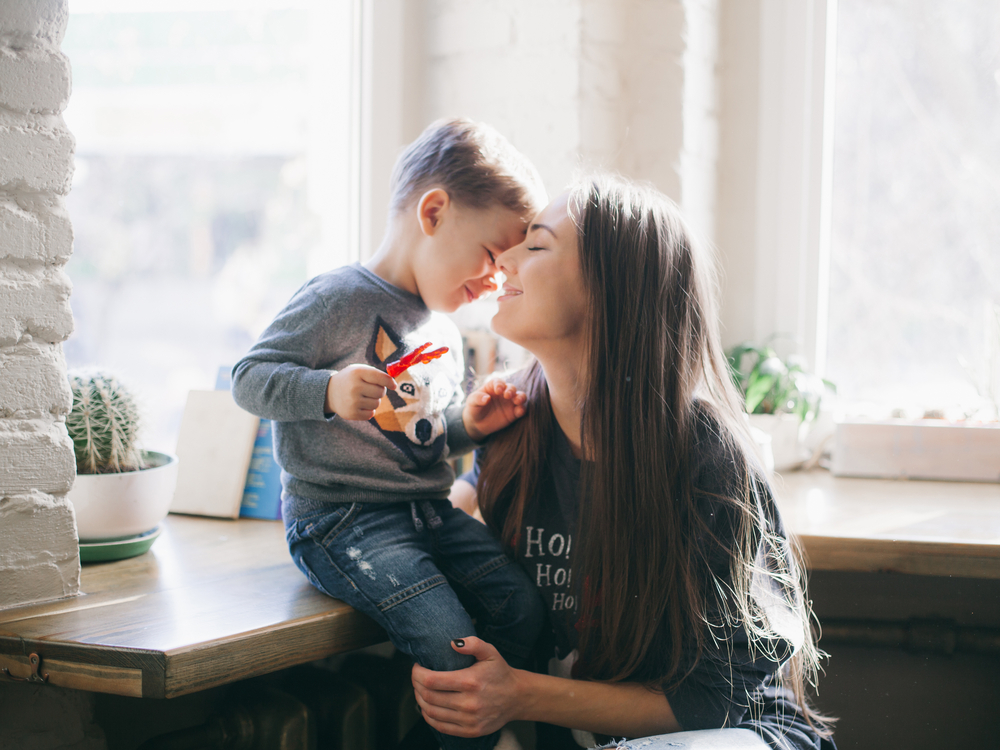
111	506
786	431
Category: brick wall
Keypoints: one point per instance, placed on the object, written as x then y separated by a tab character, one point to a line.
38	546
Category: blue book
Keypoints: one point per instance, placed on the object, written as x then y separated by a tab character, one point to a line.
262	490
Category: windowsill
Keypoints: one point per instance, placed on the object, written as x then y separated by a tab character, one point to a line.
903	526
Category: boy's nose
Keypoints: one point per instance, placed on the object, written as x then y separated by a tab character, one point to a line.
487	283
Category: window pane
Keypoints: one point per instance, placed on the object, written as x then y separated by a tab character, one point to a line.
194	200
915	258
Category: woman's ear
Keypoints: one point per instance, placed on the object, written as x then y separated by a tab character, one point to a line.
431	209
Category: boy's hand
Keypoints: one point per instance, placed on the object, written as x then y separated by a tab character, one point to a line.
494	406
354	392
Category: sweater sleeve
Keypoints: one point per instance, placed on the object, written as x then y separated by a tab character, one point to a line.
282	377
729	675
458	438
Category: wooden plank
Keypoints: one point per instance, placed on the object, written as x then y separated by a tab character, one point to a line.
266	651
915	527
68	674
914	558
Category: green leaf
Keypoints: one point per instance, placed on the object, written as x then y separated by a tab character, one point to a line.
757	390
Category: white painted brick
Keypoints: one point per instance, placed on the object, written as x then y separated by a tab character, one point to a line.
34	79
39	557
42	19
35	454
21	233
33	381
35	227
36	152
34	302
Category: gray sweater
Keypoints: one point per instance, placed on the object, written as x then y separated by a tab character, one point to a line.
351	316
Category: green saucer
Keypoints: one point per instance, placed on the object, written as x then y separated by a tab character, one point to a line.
118	549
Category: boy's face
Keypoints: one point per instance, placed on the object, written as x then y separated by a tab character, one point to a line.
457	264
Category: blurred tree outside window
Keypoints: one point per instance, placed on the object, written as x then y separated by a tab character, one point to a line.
914	319
210	141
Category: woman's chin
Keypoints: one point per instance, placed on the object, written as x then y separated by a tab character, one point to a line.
501	326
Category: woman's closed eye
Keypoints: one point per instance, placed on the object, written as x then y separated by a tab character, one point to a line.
534	249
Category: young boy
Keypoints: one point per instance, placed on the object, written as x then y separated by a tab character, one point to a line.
363	454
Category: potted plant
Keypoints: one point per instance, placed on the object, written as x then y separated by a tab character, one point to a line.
121	492
781	397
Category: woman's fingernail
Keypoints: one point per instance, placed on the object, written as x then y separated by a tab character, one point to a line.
459	642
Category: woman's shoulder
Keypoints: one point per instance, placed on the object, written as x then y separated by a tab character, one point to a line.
727	478
720	460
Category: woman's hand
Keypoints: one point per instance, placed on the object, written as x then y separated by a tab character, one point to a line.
470	702
481	699
492	407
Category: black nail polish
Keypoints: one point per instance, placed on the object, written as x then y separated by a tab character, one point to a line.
459	642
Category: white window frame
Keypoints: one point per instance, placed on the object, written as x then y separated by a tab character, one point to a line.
794	173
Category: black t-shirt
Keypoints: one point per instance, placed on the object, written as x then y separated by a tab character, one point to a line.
731	685
545	544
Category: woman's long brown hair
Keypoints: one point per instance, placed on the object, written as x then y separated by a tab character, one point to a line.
647	596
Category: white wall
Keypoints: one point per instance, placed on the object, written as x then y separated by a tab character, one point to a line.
39	559
627	85
720	104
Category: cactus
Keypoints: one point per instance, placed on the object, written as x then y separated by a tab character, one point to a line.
103	424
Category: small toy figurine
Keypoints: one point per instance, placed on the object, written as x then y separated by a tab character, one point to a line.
416	357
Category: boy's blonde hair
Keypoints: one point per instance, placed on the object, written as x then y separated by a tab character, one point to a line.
473	163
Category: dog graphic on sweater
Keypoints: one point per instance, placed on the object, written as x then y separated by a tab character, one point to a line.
412	416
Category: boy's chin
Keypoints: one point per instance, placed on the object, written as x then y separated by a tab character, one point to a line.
443	306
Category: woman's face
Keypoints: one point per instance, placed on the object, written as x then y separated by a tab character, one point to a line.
543	299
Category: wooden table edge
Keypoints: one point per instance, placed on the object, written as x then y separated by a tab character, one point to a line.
873	555
98	668
288	644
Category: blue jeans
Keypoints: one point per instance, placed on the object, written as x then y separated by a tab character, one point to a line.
395	561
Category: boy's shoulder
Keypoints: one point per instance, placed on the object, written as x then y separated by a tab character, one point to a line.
345	278
352	287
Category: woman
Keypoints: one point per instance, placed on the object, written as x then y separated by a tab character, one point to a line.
629	494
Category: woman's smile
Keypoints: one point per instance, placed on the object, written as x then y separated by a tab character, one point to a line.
509	292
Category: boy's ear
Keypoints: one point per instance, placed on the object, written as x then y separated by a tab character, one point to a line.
431	209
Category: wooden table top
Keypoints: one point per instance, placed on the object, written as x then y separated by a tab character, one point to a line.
218	601
212	602
905	526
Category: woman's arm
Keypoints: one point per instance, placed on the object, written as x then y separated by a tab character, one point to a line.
476	701
463	496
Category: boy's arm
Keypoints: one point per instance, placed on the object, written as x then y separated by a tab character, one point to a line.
282	377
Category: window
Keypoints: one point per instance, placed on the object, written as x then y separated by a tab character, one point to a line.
914	311
213	176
